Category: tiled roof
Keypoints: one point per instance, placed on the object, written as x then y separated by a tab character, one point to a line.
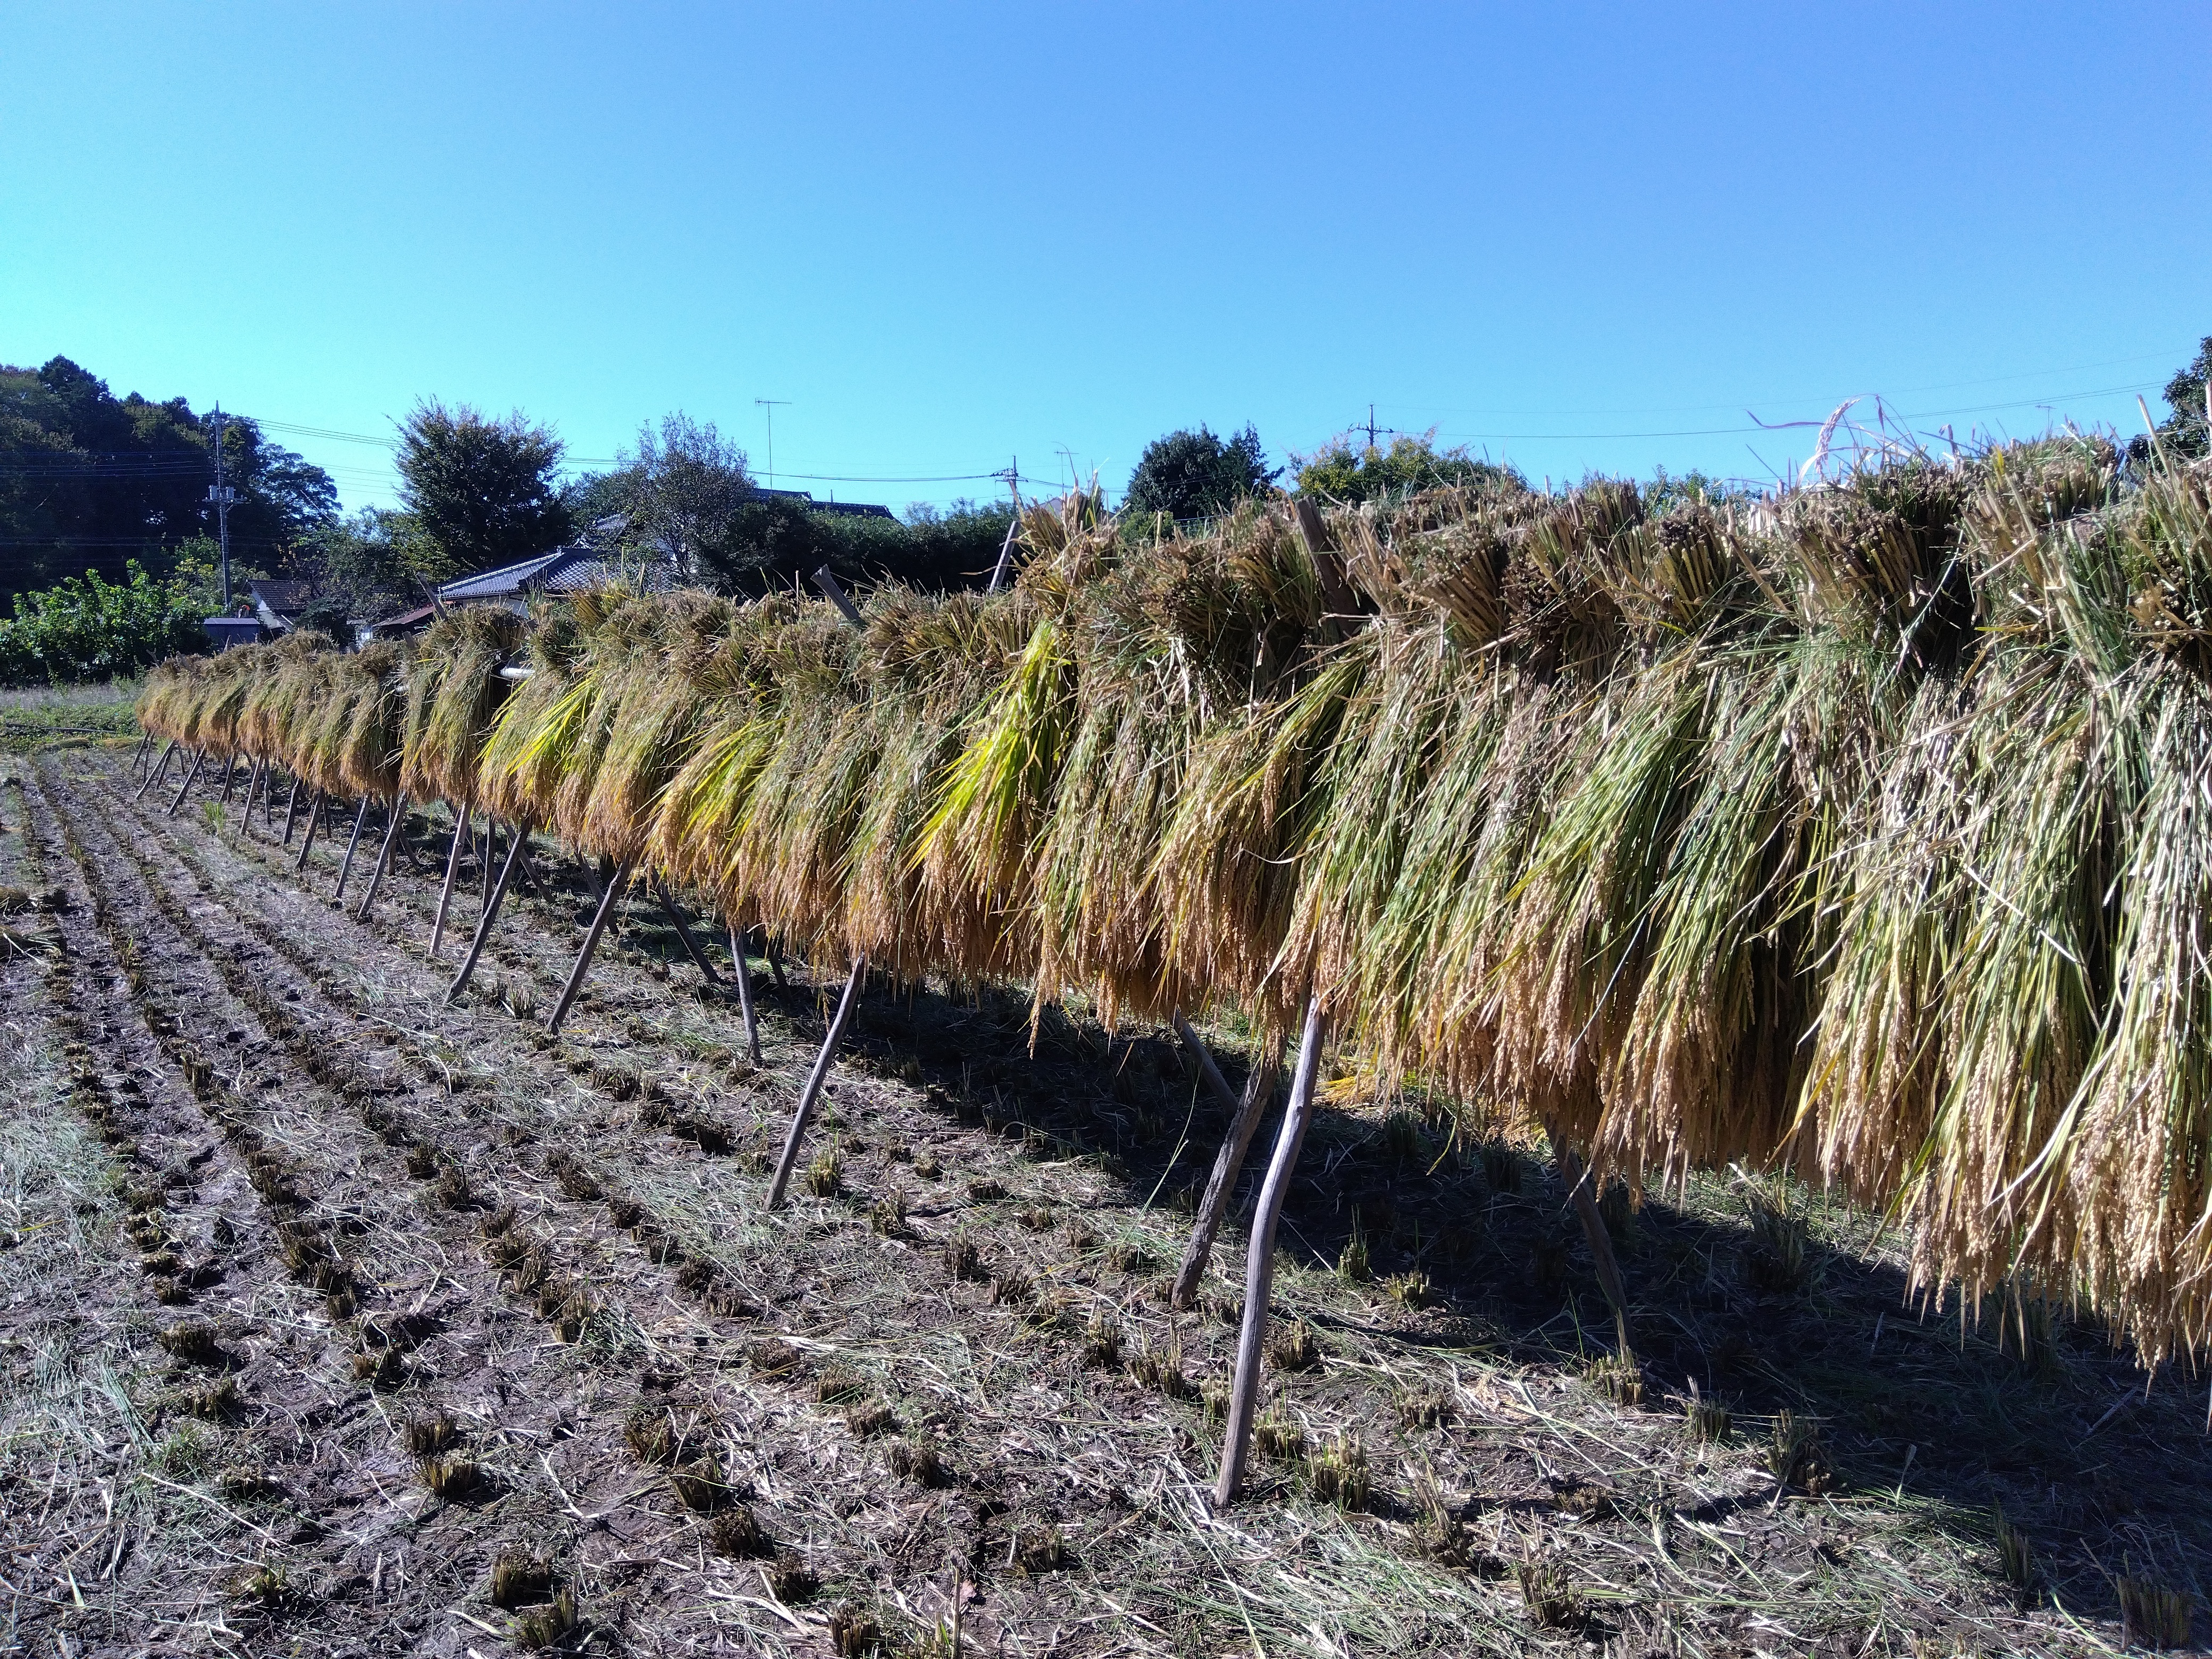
564	570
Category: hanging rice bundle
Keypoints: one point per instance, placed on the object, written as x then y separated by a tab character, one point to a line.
454	694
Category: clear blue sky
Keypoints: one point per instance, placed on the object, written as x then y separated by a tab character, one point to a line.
1575	237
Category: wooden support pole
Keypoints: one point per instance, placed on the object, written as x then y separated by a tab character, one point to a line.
815	1080
599	919
743	970
156	771
774	960
1213	1208
191	777
835	593
307	837
138	755
675	915
489	850
291	808
1260	1265
269	798
253	782
229	772
485	921
346	864
383	858
1575	1174
1204	1055
453	863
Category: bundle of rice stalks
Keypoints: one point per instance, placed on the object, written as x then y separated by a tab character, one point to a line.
454	694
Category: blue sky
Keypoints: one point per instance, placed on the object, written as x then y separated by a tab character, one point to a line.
1572	237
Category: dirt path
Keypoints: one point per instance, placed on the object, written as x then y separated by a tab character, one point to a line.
391	1245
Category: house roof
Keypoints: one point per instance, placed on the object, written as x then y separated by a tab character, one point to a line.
564	570
842	509
285	598
415	618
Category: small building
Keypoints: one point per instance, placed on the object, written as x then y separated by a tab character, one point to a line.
396	626
840	509
227	631
280	605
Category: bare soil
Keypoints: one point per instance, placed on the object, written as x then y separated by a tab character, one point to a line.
319	1299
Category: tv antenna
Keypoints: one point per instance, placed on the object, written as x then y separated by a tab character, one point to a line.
771	405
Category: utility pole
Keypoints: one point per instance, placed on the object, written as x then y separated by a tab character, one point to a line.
1371	426
220	496
769	404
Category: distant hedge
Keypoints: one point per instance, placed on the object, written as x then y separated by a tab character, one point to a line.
89	628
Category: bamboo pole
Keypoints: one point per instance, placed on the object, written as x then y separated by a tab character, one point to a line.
489	851
1260	1264
383	858
229	771
291	806
1575	1176
599	919
138	756
346	864
485	921
683	932
191	777
156	771
253	788
1228	1165
814	1081
453	863
745	972
307	837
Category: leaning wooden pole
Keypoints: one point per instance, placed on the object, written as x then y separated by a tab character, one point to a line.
485	921
230	773
600	917
1260	1265
346	864
1245	1114
453	863
191	777
745	972
138	756
1204	1055
155	771
253	787
291	810
675	915
315	809
383	857
815	1080
1575	1174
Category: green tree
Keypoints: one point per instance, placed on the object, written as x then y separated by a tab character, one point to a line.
367	563
1344	474
91	480
482	491
685	487
1196	475
2184	433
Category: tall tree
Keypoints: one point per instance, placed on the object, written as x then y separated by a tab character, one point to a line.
687	486
481	491
1196	475
2186	432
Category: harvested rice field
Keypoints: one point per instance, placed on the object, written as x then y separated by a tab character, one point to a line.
337	1320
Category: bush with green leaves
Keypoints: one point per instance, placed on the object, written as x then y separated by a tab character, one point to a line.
89	628
1342	473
